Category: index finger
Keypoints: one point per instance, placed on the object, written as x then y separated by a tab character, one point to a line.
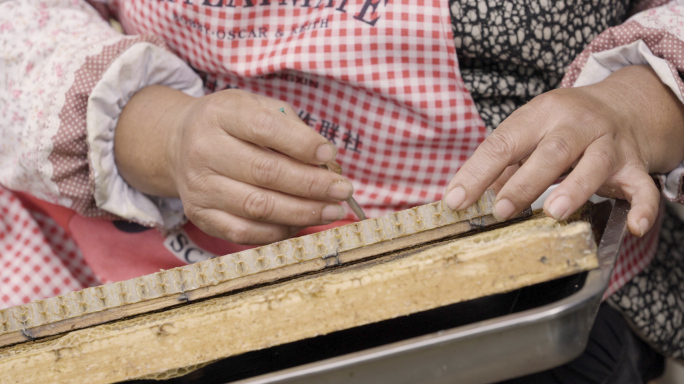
266	125
506	146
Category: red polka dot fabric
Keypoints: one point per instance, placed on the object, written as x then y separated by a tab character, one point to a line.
69	157
661	41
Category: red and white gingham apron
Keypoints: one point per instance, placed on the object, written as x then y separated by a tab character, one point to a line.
378	78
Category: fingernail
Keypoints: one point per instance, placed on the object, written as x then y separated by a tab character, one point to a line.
325	153
332	213
643	225
503	209
341	190
455	197
559	207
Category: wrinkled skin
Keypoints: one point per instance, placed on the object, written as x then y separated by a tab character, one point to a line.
611	134
245	171
248	173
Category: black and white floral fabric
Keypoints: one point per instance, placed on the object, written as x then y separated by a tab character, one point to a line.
654	299
511	51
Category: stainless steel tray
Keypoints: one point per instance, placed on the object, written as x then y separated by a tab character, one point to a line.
485	351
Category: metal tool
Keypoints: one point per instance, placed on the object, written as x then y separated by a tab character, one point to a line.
356	208
335	167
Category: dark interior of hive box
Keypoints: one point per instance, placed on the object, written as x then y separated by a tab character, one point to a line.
357	339
306	351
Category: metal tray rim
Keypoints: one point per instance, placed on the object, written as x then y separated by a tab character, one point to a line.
590	294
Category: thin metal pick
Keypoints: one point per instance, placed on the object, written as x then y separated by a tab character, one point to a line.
355	207
335	167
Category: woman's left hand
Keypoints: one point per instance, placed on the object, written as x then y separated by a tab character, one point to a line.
612	134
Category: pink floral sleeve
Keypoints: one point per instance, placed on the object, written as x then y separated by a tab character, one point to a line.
56	135
655	37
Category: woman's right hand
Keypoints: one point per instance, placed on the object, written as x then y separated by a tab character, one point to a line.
245	171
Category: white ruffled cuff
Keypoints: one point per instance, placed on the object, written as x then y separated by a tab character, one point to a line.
601	64
141	65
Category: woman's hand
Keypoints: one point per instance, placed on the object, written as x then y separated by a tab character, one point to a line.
612	134
245	171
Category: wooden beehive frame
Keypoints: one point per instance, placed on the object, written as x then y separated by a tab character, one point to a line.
175	341
236	271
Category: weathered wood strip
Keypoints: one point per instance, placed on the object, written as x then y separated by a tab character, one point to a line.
269	263
172	341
